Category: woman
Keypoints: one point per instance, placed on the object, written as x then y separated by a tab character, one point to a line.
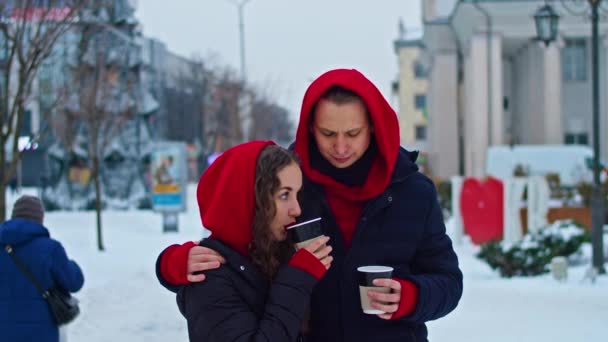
247	198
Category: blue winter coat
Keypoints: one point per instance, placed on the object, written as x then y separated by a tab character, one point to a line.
403	228
24	314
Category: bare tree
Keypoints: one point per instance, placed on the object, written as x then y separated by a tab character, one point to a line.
269	121
103	93
28	32
223	127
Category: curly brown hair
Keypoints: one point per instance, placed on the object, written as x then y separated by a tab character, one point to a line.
267	253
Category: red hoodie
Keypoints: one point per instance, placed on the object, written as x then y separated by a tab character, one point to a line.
347	202
226	200
225	195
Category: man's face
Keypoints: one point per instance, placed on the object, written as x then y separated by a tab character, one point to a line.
342	131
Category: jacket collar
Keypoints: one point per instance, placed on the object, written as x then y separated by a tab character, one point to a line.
239	263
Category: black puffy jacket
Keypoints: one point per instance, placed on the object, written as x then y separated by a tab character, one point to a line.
237	303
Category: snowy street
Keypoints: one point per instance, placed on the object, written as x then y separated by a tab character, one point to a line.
122	300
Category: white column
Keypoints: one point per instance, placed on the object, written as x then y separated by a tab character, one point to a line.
538	203
468	118
528	108
443	115
484	121
476	113
513	191
457	228
496	91
552	113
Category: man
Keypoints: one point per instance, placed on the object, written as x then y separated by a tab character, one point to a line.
377	209
25	315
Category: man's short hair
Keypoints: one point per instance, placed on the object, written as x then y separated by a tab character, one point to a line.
338	95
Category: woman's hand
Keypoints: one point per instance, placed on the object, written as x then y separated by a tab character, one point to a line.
202	259
387	302
321	250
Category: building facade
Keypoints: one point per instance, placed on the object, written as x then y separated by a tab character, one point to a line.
412	91
491	83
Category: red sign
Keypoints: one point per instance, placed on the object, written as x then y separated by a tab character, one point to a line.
481	205
41	13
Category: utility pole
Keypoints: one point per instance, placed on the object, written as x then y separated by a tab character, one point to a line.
240	4
244	100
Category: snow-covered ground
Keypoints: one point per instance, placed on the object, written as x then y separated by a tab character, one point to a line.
122	300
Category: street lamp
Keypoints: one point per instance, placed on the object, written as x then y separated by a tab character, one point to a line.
546	24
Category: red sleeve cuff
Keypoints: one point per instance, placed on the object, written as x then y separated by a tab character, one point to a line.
409	299
174	263
307	262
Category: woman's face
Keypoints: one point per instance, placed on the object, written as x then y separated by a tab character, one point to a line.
286	201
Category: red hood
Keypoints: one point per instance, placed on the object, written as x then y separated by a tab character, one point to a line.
386	133
225	195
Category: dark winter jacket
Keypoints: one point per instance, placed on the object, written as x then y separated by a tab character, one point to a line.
402	228
236	303
392	218
24	314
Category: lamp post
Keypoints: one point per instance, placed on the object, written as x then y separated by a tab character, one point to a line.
244	101
240	5
546	20
546	25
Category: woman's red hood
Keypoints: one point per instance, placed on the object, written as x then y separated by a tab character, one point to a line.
225	195
386	133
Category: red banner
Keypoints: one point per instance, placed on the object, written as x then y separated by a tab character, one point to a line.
41	13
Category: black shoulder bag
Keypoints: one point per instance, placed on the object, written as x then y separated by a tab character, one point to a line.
63	305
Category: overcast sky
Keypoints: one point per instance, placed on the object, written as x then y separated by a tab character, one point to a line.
287	42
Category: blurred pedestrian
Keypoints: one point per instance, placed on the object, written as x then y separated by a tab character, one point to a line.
25	315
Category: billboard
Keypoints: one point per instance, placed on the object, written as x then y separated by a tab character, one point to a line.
169	176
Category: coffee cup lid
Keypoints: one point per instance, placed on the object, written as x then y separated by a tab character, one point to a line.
374	269
303	223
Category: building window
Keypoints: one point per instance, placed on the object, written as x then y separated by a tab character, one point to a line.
576	139
420	132
574	60
583	139
420	102
419	71
26	124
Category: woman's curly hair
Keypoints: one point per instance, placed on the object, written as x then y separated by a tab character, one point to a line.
267	253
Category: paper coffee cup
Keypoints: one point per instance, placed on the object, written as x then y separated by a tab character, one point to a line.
305	232
367	275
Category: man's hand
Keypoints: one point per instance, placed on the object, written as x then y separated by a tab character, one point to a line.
387	302
202	259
